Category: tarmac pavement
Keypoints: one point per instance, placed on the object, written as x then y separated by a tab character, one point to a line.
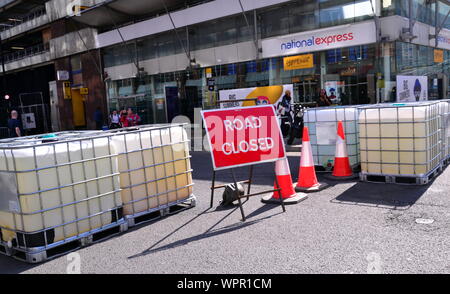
351	227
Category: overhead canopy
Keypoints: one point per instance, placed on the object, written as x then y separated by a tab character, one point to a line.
112	12
12	14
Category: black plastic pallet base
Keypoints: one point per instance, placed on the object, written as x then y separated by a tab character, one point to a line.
403	180
153	215
35	255
446	162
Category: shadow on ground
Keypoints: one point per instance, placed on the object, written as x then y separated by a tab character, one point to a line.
389	196
8	265
211	231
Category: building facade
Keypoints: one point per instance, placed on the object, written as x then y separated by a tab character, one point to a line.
166	58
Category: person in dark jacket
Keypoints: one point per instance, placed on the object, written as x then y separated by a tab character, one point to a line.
323	99
98	118
15	125
284	109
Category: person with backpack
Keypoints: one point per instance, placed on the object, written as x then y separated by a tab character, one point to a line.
114	120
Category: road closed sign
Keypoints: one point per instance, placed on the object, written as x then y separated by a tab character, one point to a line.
243	136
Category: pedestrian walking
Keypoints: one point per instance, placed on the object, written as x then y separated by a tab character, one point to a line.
98	118
15	125
114	120
285	111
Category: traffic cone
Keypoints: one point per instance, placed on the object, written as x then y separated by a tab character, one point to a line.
342	169
283	174
307	179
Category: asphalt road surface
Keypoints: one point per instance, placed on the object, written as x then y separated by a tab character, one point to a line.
351	227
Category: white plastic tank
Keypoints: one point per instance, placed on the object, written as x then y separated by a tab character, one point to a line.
154	166
322	124
400	139
62	187
444	107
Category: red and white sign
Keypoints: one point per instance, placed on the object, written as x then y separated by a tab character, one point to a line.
243	136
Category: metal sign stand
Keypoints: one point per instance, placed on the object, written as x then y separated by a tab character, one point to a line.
248	194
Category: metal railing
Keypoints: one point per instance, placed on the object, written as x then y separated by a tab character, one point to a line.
20	20
27	52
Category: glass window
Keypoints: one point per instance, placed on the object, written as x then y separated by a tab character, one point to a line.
443	10
274	22
251	66
387	7
204	36
147	49
231	69
227	31
245	32
166	45
180	41
118	55
335	12
303	16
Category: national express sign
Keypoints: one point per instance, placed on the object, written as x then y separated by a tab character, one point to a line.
325	39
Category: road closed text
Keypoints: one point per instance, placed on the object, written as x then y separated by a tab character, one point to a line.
263	144
244	135
244	146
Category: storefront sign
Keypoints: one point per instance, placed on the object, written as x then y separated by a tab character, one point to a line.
67	90
325	39
298	62
412	88
243	136
62	75
84	91
208	72
265	95
349	71
443	39
438	56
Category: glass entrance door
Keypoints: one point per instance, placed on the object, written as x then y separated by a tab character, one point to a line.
307	90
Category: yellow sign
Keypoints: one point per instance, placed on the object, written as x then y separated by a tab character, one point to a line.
298	62
209	72
67	90
84	91
438	56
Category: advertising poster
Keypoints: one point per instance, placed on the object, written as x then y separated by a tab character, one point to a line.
265	95
28	121
412	88
333	89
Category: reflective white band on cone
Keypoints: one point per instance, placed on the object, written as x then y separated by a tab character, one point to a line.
341	148
282	168
306	157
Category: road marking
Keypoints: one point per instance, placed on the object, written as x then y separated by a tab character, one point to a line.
424	221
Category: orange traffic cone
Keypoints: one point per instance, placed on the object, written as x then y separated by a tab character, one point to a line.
284	179
342	169
307	179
